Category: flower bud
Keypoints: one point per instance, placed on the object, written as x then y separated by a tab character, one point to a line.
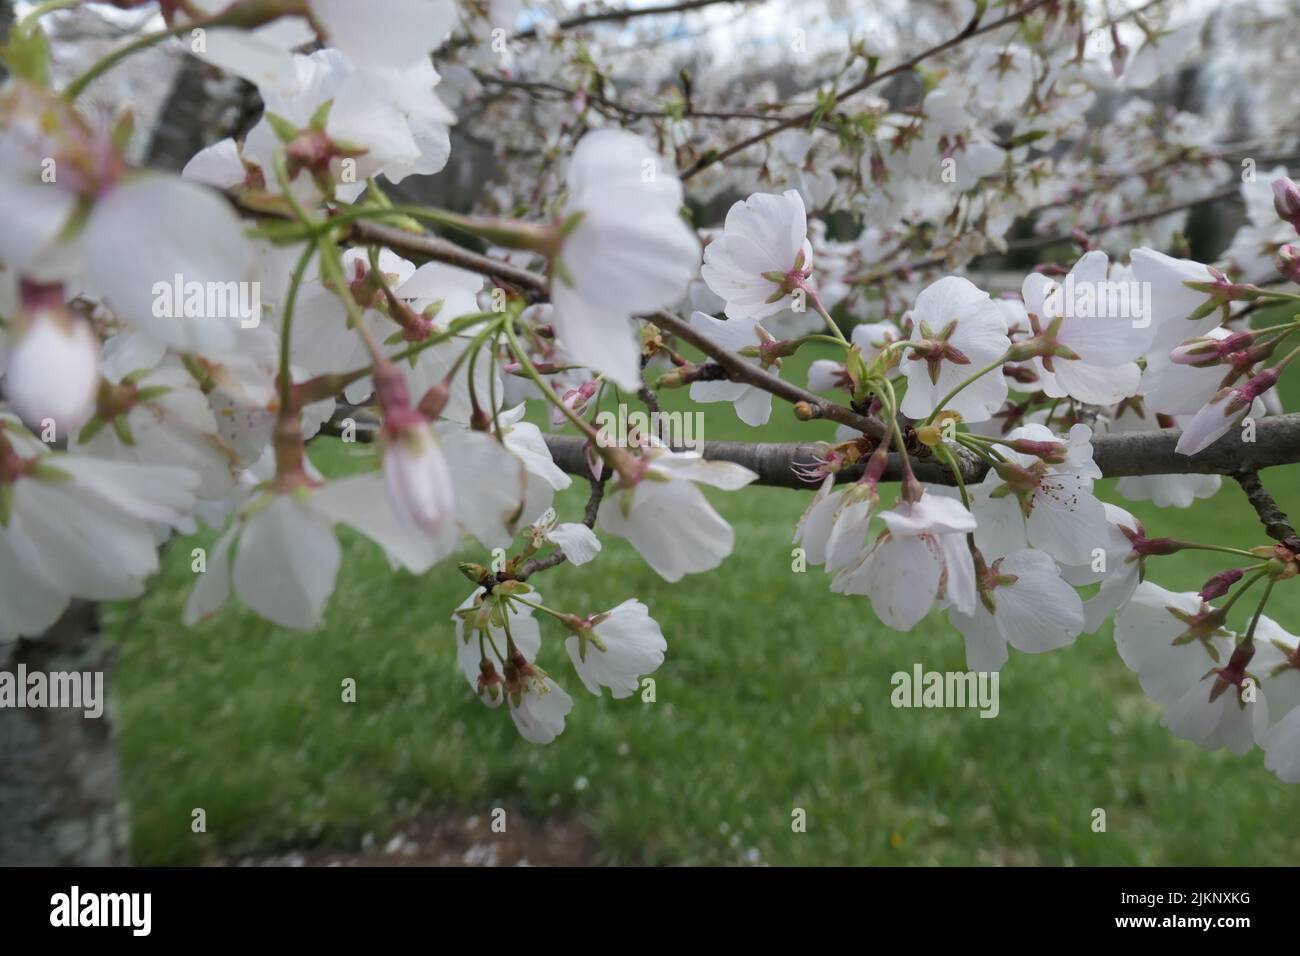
1288	263
1286	200
52	373
1210	351
416	472
475	572
1219	585
418	477
1052	452
575	399
1244	395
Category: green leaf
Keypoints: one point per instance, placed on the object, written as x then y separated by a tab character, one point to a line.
28	54
284	131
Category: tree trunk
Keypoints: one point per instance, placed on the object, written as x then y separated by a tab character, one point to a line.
196	115
6	21
61	801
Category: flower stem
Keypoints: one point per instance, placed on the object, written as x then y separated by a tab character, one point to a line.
816	300
531	370
286	326
1259	611
558	615
1242	589
1223	548
78	85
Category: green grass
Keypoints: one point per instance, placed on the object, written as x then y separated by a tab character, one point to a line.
775	695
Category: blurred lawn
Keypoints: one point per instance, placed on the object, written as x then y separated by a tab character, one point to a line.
775	695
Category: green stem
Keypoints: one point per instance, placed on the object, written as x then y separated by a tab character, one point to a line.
976	444
558	615
549	392
946	455
816	337
332	271
816	300
1222	548
1245	586
78	86
286	326
492	385
1259	612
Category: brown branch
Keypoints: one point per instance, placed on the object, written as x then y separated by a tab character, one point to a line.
630	112
1276	523
741	371
627	13
604	16
1116	454
773	463
1039	242
557	557
972	29
423	245
432	247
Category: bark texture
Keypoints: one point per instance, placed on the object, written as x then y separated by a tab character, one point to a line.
60	793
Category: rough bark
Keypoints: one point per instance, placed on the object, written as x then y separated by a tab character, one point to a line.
60	793
194	117
1277	442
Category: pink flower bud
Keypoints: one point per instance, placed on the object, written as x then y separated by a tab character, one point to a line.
1244	395
1210	351
1218	585
1286	200
1052	452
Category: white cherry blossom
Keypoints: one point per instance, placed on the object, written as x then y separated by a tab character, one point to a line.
626	251
764	242
666	517
616	648
957	330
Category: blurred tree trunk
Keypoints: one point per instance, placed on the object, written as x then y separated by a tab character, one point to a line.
6	21
60	793
200	111
61	800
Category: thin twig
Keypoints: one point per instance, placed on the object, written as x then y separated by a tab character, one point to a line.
972	29
557	557
1277	525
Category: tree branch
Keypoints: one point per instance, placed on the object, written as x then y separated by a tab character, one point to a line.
529	568
427	246
432	247
606	16
1117	455
973	29
741	371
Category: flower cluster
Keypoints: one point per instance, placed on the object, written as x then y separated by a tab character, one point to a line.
171	345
